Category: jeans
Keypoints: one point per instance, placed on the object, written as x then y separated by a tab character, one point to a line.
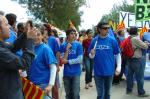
103	86
72	87
42	86
135	67
89	68
123	66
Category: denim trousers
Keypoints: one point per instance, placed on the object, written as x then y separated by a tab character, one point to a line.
88	69
42	86
136	68
72	87
103	86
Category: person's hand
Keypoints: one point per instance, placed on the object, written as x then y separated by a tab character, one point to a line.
93	51
68	46
147	43
118	70
64	61
48	89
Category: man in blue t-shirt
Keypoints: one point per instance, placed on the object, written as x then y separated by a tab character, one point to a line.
103	49
72	52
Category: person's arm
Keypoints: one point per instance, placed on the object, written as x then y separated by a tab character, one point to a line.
12	62
140	44
118	59
78	60
67	51
53	70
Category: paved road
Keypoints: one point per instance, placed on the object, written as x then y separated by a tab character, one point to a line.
118	91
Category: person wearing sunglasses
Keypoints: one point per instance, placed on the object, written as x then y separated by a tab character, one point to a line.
103	50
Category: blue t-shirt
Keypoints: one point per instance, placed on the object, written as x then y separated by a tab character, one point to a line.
53	43
104	60
75	51
145	37
12	37
39	72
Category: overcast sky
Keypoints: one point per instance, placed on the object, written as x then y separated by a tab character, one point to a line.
92	13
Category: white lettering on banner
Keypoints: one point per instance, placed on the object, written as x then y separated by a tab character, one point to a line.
129	20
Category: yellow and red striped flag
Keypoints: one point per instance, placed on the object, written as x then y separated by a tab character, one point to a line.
30	90
144	29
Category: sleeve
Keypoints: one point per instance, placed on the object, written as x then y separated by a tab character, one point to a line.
116	48
79	56
19	43
53	71
91	46
11	62
140	44
56	46
49	56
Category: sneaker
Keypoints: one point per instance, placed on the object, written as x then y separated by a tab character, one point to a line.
90	84
86	86
143	95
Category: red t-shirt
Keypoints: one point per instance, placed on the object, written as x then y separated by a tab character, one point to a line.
86	44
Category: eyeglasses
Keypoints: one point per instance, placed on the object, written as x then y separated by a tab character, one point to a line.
105	28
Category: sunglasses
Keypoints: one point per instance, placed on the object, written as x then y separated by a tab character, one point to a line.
105	28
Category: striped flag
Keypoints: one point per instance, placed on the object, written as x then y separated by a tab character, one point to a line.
144	29
31	91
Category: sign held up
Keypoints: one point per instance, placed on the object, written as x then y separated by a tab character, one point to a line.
142	10
129	20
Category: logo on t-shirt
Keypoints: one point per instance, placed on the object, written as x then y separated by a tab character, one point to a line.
71	51
102	47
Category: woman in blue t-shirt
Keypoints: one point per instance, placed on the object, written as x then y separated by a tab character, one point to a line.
43	68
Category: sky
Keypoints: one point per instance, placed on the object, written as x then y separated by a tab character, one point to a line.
92	12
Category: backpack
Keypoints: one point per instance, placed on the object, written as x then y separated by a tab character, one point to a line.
126	48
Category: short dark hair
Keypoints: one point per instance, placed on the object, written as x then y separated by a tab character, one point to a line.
101	24
133	30
119	32
11	18
83	31
88	31
69	31
20	25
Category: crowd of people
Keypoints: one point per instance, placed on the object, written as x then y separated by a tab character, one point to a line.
37	52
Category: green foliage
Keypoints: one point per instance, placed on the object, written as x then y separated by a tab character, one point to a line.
56	12
114	13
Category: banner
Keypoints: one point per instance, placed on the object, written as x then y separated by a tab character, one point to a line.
142	10
112	24
32	91
129	20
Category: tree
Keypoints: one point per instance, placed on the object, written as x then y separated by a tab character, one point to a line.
56	12
114	13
